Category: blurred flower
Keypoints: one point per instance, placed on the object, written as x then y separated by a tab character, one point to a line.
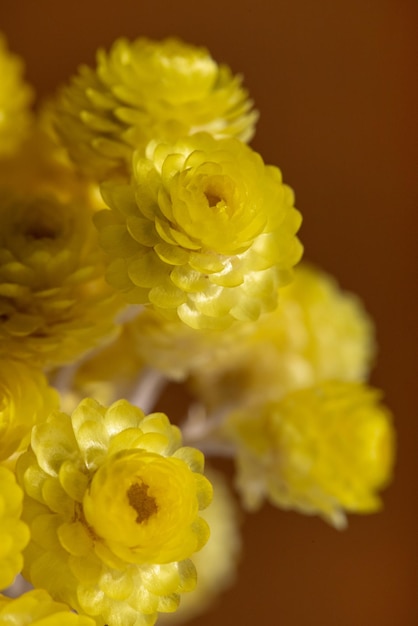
145	90
317	332
113	504
25	399
216	563
325	450
13	532
37	608
206	233
15	98
51	280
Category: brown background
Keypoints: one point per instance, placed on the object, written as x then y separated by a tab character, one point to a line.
335	84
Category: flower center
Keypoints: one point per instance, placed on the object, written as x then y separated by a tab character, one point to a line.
212	198
141	502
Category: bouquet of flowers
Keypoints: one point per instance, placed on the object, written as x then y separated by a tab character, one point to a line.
144	241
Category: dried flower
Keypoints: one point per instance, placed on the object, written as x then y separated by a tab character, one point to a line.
51	280
205	234
113	504
324	450
145	90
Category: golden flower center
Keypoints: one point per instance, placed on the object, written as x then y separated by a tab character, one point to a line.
141	502
212	199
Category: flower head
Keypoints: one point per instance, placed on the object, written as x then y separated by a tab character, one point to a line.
206	232
37	608
15	97
142	90
113	502
325	450
51	279
13	532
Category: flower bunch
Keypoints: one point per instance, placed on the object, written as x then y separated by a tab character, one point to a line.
142	241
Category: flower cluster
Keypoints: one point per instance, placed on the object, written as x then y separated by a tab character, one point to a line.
142	240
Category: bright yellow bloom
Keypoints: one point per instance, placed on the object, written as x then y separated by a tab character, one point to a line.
217	561
14	534
206	232
15	98
113	504
145	90
25	399
324	450
37	608
51	279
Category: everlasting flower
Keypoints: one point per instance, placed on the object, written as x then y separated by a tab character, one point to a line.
205	234
25	399
324	450
143	90
51	279
37	608
113	503
14	534
15	98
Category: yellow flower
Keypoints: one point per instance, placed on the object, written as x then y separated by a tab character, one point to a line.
324	450
51	279
113	504
25	399
15	98
14	533
206	232
143	90
37	608
217	561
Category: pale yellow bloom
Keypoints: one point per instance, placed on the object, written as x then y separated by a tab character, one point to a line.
25	399
14	534
54	301
15	98
326	450
144	90
113	503
205	234
37	608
